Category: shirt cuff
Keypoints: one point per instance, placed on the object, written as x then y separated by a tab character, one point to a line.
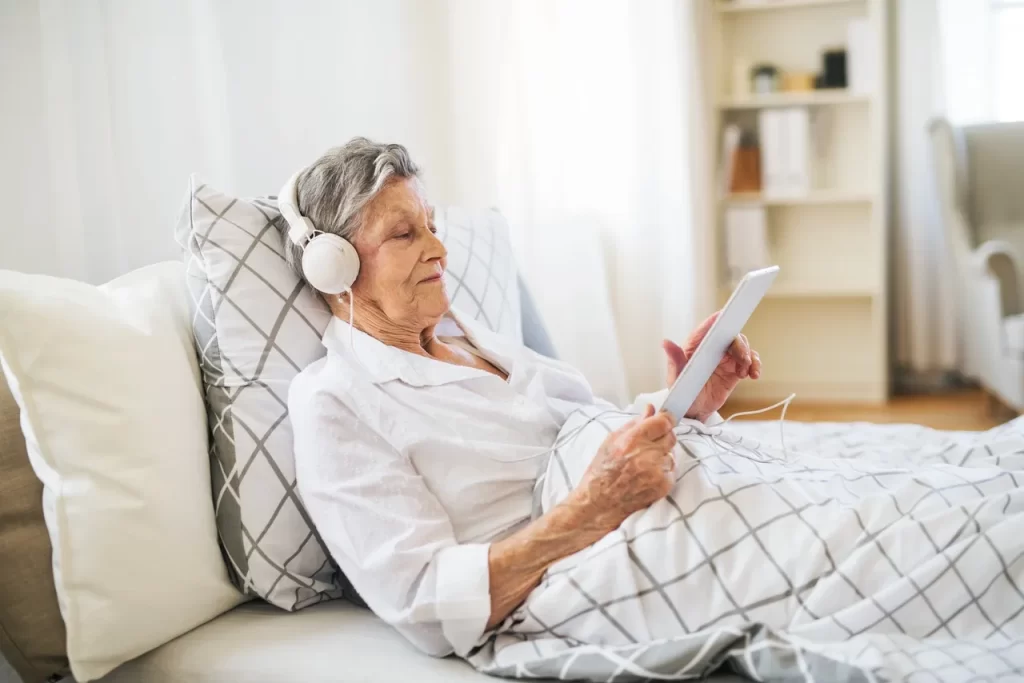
657	398
463	594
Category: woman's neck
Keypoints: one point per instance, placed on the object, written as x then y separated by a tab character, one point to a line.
369	318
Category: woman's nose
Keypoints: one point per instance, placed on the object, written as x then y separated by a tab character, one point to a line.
435	248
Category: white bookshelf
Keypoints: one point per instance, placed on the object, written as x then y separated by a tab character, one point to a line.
823	329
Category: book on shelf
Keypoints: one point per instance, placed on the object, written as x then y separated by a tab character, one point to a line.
786	152
746	241
741	162
730	143
798	157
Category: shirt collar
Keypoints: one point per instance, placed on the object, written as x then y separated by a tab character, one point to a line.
386	363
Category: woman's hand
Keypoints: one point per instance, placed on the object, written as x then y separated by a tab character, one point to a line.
632	469
739	362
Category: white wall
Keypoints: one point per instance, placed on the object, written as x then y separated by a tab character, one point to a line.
109	106
26	230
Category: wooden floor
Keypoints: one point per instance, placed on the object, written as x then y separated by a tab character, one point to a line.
970	410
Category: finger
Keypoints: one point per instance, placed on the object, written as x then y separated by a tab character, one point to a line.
669	462
653	428
635	423
629	426
669	459
697	336
676	360
740	351
667	442
755	366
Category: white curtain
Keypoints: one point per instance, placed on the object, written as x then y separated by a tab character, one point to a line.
579	119
110	104
925	317
951	59
582	120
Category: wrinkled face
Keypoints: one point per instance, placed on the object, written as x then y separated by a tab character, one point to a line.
401	258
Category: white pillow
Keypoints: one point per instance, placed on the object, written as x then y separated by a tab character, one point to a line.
256	327
108	386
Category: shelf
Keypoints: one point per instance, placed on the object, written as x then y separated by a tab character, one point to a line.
815	198
791	99
805	292
802	292
762	5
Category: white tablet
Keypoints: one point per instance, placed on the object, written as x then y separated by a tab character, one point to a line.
716	342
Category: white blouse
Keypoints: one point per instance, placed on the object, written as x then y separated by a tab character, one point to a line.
402	464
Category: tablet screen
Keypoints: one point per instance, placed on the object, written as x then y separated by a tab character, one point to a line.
716	342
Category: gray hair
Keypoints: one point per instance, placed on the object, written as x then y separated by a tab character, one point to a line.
333	191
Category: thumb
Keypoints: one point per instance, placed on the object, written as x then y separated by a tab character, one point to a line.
647	412
676	360
637	420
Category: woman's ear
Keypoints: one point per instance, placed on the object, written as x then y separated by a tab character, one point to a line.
337	304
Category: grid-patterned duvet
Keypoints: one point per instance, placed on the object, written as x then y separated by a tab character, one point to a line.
862	552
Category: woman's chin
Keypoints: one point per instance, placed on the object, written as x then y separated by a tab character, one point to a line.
435	303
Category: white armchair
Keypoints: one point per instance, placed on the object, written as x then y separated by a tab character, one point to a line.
980	175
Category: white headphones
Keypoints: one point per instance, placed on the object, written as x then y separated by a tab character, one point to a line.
329	262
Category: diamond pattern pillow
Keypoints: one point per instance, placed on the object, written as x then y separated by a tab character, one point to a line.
481	275
256	326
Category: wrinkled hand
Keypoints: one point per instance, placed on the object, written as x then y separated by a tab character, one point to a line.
739	362
632	469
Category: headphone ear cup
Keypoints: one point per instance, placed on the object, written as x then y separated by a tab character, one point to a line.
330	263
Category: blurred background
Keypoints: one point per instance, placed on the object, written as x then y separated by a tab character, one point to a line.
645	152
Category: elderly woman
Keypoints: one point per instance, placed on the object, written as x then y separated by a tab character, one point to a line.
414	436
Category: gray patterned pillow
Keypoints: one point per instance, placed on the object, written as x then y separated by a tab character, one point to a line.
481	275
256	326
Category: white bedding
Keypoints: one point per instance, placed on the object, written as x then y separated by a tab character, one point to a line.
864	552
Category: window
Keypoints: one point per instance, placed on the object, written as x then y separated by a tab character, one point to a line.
1008	58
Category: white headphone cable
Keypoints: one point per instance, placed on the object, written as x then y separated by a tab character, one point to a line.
352	326
558	442
782	418
571	435
565	439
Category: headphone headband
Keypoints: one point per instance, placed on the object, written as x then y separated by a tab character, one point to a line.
300	228
329	262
